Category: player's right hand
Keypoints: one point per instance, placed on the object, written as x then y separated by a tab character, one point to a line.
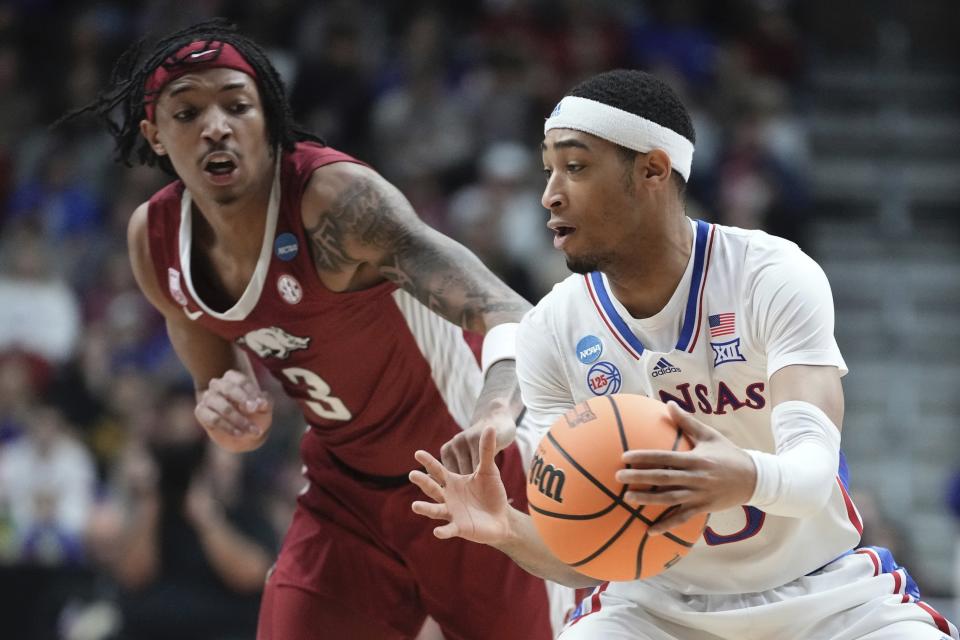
474	505
235	412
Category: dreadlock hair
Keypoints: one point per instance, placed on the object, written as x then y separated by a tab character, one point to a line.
642	94
126	94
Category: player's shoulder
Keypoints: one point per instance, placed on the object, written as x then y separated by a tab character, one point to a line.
323	175
171	194
165	202
308	158
755	250
548	314
568	291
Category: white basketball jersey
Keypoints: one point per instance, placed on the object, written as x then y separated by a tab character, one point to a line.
748	305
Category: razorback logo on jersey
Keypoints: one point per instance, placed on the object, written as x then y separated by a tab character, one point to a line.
725	398
273	342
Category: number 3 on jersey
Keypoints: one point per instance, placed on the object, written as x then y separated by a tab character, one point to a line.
322	403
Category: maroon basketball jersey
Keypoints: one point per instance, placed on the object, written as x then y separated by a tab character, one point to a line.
376	374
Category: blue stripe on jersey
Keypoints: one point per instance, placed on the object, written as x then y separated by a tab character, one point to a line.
597	278
888	565
693	298
844	472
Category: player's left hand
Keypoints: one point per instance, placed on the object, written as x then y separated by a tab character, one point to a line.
462	453
715	475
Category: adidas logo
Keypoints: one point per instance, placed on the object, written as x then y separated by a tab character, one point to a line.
663	367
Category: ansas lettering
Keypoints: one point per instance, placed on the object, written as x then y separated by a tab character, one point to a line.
726	399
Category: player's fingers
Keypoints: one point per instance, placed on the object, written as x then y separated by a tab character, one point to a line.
473	451
451	454
436	470
670	496
447	531
675	518
427	484
234	392
253	399
211	420
488	450
235	377
693	428
431	510
658	458
264	402
656	477
227	410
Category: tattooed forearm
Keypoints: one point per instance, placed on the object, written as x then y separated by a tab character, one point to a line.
371	222
499	389
454	284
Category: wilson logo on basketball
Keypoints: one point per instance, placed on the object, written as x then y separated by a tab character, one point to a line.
547	478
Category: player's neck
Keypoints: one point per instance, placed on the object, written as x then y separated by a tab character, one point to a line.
235	227
645	279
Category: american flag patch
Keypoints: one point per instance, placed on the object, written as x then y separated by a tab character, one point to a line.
722	324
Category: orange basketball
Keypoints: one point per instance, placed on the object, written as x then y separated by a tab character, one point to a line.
576	503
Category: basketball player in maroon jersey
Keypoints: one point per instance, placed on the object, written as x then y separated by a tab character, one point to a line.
311	263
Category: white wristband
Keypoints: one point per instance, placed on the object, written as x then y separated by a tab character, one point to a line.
500	343
799	479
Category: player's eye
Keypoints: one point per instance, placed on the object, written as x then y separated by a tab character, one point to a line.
547	173
239	108
185	115
574	167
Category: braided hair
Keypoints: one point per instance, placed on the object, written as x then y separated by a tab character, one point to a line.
121	106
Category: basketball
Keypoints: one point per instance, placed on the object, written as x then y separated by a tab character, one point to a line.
578	506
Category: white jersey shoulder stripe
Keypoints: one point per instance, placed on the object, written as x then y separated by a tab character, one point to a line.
452	364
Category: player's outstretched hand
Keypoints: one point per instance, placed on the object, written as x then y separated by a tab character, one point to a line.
474	505
235	412
462	453
715	475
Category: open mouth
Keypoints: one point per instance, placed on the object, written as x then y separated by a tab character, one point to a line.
563	231
220	167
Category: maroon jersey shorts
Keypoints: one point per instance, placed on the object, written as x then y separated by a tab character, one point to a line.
358	563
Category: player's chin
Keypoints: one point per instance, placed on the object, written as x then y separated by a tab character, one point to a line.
582	264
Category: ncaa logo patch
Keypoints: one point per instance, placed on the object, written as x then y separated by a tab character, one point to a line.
285	247
589	349
290	290
727	352
604	379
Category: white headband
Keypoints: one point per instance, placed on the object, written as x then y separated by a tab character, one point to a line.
623	128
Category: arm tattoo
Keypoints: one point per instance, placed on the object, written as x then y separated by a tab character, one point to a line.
499	389
359	215
440	273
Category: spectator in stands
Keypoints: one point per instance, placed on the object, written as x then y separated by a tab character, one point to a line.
47	484
190	551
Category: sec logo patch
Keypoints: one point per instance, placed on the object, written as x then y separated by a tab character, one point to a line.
290	289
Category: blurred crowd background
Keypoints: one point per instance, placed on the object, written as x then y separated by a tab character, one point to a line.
835	124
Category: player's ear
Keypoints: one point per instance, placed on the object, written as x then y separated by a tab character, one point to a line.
657	166
150	132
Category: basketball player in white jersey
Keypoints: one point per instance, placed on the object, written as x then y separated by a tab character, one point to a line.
735	329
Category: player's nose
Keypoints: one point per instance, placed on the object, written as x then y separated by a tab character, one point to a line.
553	196
216	125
